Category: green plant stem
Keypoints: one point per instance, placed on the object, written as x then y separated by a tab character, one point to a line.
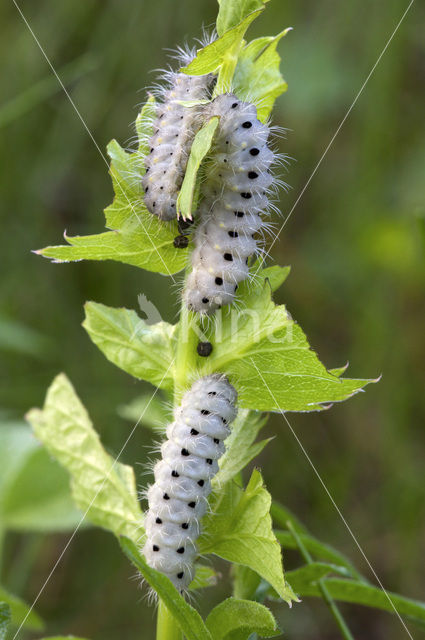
186	349
166	627
2	536
19	572
345	631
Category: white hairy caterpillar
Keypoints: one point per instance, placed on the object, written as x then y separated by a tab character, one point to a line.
174	127
178	498
236	188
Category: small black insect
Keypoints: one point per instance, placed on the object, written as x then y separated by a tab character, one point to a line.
181	242
204	349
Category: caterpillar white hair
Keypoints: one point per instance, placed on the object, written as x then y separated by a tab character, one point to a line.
178	498
174	128
236	188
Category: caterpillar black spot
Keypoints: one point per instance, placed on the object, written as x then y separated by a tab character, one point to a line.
178	498
236	189
174	128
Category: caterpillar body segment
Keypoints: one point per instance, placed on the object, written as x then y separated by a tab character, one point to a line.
174	127
178	499
235	193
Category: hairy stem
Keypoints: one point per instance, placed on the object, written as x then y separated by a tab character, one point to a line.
345	631
166	626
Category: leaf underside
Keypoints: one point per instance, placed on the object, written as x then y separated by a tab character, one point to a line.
102	488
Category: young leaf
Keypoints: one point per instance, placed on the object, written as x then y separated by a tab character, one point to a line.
200	147
264	347
186	616
4	619
369	596
144	351
232	12
235	619
137	237
239	530
257	76
221	54
240	449
21	611
101	487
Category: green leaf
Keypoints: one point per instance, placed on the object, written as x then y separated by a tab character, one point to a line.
150	412
4	619
259	344
281	515
257	76
275	276
40	498
200	147
318	549
34	489
232	12
339	370
63	638
137	237
144	351
239	529
221	55
16	445
264	347
245	582
369	596
311	573
204	577
235	619
20	611
20	338
188	619
102	488
240	449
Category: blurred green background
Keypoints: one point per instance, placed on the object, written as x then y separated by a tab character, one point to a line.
355	242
